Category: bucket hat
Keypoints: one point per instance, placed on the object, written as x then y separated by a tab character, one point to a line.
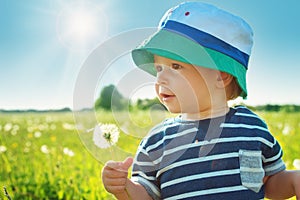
202	35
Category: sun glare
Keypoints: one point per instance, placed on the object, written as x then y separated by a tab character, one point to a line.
81	27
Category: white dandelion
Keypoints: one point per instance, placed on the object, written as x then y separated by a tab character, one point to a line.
68	152
286	130
2	149
43	127
30	129
45	149
16	127
105	135
26	150
68	126
296	164
37	134
8	127
28	144
14	132
49	119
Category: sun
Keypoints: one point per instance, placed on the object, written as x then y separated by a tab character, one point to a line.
81	26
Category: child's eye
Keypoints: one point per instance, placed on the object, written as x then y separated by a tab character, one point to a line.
176	66
158	68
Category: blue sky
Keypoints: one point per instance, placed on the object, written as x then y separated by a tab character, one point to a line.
43	47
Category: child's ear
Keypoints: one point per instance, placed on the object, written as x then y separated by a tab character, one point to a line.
223	80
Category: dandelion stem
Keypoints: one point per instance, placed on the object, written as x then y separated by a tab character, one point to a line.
112	151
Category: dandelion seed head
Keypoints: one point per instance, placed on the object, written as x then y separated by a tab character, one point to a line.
296	164
68	126
286	130
49	119
43	127
105	135
14	132
26	150
37	134
45	149
30	129
3	149
16	127
28	144
68	152
8	127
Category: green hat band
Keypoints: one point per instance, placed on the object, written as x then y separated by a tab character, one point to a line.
178	47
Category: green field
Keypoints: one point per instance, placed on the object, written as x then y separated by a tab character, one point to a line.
42	156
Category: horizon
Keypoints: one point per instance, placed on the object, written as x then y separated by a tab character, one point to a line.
69	109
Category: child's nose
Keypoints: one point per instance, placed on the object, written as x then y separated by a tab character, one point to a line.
163	75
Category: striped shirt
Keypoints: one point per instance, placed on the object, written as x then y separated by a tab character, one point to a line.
220	158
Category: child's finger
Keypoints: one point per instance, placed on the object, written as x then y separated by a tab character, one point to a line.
116	182
121	166
127	163
115	189
113	173
112	165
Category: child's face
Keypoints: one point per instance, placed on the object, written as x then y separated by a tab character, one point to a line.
183	88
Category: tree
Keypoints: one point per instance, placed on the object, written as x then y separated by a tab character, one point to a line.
144	104
110	98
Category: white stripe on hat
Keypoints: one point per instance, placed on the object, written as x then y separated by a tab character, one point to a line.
214	21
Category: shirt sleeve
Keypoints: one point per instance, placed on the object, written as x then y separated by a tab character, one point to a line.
272	157
144	171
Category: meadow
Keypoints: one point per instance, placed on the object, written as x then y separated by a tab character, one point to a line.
46	155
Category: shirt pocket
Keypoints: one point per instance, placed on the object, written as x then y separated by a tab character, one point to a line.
251	169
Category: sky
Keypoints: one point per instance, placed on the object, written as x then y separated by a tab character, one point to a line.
45	46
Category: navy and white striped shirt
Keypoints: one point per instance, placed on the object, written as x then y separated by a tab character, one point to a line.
220	158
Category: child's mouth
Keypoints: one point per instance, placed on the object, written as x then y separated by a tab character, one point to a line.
166	97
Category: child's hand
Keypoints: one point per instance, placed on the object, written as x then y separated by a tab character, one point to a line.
114	176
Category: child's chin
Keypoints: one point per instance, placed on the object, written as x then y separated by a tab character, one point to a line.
174	110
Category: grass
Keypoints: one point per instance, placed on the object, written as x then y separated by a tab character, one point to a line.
44	156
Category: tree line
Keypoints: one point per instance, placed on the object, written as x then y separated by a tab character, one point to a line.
289	108
111	98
